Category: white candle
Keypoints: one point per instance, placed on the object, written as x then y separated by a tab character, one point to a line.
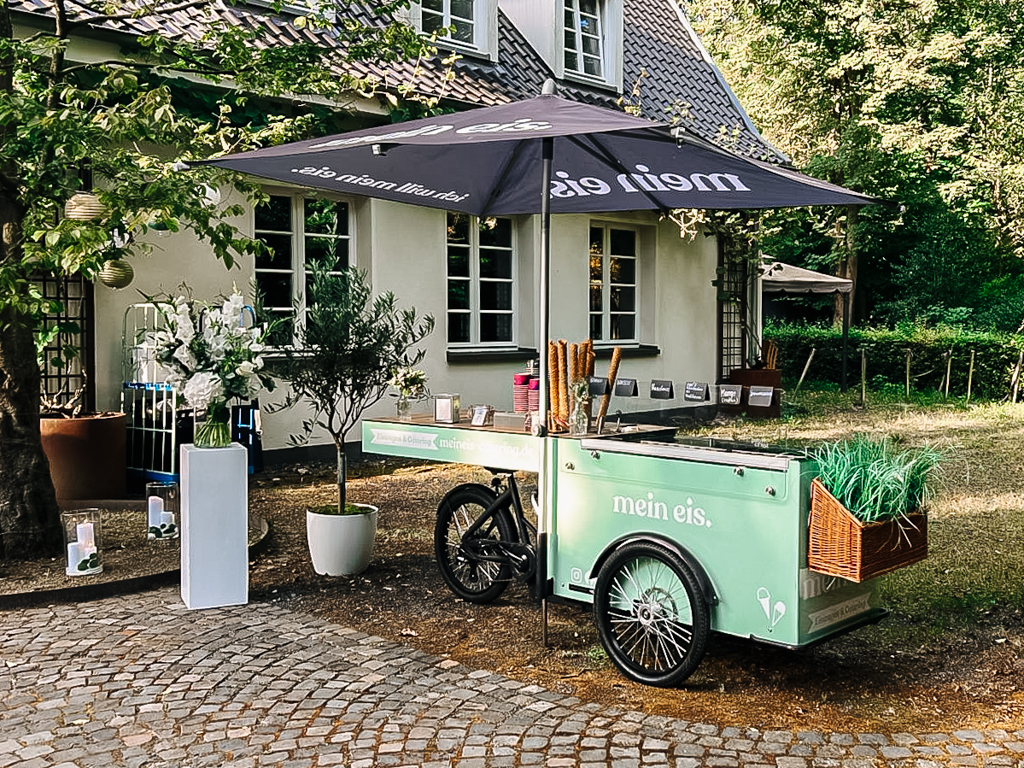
156	510
166	518
85	536
74	555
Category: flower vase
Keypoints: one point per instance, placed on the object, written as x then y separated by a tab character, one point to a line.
404	406
215	431
579	419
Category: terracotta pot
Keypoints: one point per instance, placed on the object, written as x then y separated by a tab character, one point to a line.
87	456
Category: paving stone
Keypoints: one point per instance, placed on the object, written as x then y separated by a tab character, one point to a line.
140	681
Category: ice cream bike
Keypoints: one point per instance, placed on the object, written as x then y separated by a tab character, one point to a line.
668	539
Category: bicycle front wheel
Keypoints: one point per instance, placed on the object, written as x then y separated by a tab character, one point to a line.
464	558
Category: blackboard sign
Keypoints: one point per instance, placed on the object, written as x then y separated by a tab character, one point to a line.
597	385
626	388
730	394
662	389
696	391
760	396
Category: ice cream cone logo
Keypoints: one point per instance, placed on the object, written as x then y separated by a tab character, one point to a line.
773	613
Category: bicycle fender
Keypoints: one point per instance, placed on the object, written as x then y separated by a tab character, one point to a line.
480	486
706	587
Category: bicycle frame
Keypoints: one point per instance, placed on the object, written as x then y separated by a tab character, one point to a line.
508	498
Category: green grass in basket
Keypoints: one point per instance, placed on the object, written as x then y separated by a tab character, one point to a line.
874	480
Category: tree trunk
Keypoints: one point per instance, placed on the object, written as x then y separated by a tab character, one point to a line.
339	446
848	266
29	517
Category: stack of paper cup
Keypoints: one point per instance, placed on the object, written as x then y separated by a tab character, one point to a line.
533	394
520	393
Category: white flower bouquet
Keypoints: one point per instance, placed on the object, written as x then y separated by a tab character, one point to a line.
210	356
411	383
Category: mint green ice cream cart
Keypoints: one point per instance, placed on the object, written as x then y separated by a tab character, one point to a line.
668	539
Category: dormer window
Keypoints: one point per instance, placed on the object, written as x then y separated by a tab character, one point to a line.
580	40
471	26
584	37
444	16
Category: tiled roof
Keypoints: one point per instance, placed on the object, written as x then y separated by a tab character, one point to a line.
679	81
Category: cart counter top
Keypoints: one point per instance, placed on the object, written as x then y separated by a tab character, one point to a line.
705	450
464	443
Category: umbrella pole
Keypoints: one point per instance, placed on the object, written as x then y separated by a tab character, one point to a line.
846	338
540	428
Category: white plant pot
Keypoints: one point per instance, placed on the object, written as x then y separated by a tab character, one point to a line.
341	545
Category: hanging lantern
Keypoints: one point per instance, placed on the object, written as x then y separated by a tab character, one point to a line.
116	273
84	206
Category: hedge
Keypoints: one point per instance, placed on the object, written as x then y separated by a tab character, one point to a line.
996	357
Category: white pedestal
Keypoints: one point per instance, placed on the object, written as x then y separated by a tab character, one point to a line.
214	526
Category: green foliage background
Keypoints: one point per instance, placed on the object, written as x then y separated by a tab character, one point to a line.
914	101
995	357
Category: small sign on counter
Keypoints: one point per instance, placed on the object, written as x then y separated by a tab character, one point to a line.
481	415
696	391
760	396
626	388
730	394
662	389
597	385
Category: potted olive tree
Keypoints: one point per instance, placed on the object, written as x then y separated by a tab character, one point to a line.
351	344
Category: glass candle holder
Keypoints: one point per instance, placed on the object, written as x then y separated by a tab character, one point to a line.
162	510
82	538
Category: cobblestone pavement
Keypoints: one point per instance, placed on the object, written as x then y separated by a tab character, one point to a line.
139	680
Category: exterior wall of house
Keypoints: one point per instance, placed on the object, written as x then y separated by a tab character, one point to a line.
176	260
403	248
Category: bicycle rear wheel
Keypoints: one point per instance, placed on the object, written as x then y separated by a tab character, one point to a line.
459	556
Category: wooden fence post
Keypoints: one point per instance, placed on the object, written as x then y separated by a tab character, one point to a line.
949	368
970	378
1016	377
908	374
863	377
807	366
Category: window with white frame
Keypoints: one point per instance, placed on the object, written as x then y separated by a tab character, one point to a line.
481	281
298	232
613	283
452	19
470	26
584	37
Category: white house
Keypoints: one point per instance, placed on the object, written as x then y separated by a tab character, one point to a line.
627	280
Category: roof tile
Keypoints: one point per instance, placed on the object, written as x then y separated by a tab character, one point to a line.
675	79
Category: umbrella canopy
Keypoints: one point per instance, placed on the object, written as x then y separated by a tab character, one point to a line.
487	162
777	277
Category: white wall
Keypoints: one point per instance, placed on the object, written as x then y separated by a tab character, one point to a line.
403	249
176	259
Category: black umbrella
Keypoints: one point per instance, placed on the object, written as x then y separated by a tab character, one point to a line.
543	155
488	162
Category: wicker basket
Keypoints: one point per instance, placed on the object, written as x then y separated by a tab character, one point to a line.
841	545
